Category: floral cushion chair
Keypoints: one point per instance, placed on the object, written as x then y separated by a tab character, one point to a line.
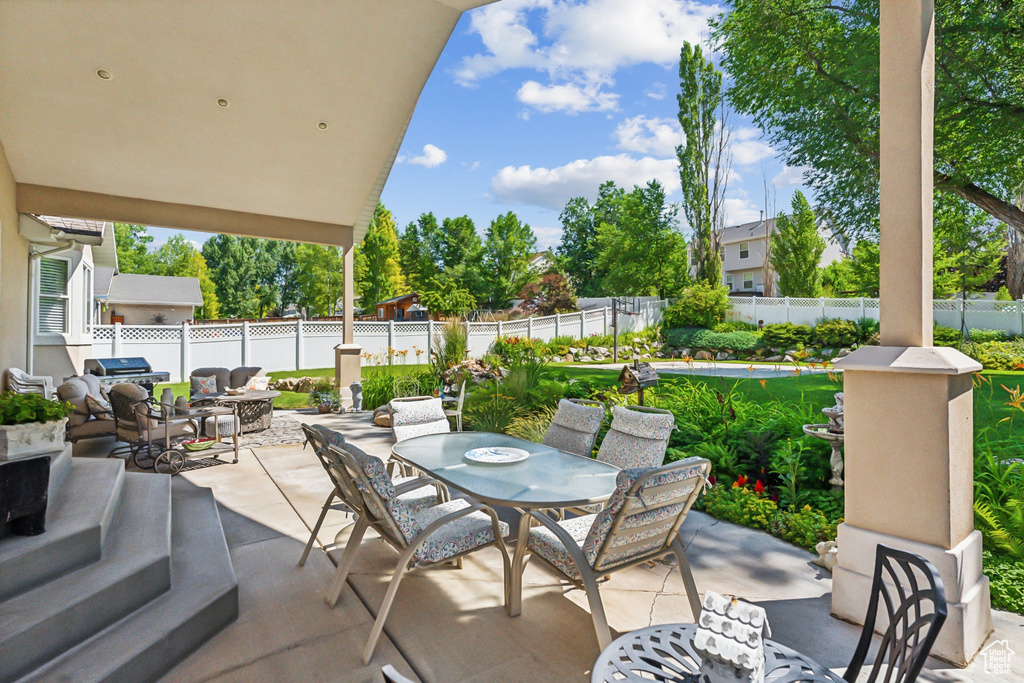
415	416
640	523
428	537
575	426
320	437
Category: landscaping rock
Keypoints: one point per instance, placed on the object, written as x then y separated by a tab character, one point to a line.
305	384
645	356
789	359
791	352
568	358
685	352
827	352
659	354
703	355
843	353
656	345
774	359
722	355
812	359
381	417
586	359
573	350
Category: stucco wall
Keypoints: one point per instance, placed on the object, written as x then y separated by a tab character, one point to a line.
144	315
13	274
62	355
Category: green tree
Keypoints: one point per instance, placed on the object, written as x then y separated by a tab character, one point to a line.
643	253
443	295
703	158
553	293
969	247
461	250
379	270
178	257
320	276
577	252
133	248
808	74
796	250
419	251
248	272
508	246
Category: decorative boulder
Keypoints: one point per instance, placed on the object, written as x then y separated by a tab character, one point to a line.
703	355
381	417
722	355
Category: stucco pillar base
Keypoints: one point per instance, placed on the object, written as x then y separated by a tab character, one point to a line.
967	592
347	368
909	422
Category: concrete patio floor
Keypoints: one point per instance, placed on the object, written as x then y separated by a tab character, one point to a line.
449	625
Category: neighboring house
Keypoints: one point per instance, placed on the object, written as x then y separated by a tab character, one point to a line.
151	299
405	307
65	255
541	262
744	249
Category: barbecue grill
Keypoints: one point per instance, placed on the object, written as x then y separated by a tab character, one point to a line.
118	370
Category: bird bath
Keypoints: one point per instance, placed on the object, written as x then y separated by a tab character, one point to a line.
833	434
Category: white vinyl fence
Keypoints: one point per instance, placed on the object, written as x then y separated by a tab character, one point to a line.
981	314
303	345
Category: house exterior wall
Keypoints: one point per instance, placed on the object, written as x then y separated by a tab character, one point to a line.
735	265
63	355
13	275
142	314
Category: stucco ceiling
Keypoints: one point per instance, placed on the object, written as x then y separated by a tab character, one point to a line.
155	131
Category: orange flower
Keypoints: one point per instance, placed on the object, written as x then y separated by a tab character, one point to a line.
763	382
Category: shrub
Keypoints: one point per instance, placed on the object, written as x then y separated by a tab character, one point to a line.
532	427
18	409
866	327
1003	294
450	346
701	305
805	527
379	384
703	338
785	335
514	350
725	463
740	505
945	336
1006	581
735	326
490	410
835	332
997	355
324	394
985	336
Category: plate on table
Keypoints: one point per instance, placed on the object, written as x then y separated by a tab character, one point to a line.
497	455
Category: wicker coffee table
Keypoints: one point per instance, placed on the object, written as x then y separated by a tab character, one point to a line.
255	408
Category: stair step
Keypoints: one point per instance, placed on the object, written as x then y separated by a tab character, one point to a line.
203	599
135	568
77	519
60	468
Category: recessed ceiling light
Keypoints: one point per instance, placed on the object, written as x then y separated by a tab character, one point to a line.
322	125
104	74
222	103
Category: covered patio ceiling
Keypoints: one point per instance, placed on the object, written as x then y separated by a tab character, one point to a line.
269	119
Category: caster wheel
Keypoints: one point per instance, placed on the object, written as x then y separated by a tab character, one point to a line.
169	462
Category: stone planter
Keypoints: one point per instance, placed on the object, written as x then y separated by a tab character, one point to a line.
32	438
324	409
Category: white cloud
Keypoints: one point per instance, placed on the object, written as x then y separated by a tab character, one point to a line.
649	135
738	211
656	91
553	187
747	147
547	238
432	156
567	97
790	176
582	44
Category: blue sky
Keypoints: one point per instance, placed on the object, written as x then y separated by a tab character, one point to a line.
536	101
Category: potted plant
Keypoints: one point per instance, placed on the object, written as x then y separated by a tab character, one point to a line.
324	397
31	424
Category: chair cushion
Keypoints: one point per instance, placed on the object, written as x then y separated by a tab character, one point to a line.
330	436
457	536
417	417
579	417
642	423
418	499
91	428
99	407
258	383
544	542
202	386
223	376
636	439
74	391
239	376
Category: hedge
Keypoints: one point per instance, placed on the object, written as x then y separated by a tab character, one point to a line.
703	338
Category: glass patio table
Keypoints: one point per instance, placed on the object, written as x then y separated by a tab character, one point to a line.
547	479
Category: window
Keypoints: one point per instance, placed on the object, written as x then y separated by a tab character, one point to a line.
728	281
721	254
87	319
748	280
53	296
744	249
380	313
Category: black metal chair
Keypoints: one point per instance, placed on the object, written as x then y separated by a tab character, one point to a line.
915	609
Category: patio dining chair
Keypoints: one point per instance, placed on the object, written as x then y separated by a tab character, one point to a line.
320	437
640	523
911	590
405	387
575	426
431	537
456	412
415	416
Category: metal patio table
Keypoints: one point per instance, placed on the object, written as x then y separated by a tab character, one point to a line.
665	653
548	479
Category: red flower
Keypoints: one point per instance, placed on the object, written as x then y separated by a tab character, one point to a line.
741	481
758	487
712	480
775	498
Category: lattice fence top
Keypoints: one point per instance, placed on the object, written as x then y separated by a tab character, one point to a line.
852	304
273	330
515	327
147	333
769	302
103	332
742	300
411	328
315	329
805	303
370	328
208	332
483	328
570	318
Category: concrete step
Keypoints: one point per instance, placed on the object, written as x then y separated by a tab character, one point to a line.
135	568
60	468
78	516
152	640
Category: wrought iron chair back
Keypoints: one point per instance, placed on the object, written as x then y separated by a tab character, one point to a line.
404	387
911	591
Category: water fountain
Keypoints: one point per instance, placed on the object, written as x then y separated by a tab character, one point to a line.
833	434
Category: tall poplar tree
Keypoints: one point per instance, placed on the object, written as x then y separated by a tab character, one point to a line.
796	250
379	267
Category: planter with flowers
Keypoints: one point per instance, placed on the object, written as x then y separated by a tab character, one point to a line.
324	397
30	425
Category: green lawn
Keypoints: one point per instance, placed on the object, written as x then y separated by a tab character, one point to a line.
990	409
291	400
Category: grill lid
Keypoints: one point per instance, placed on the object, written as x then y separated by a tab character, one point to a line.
117	366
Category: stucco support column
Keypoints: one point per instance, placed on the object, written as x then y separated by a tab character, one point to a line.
347	354
908	406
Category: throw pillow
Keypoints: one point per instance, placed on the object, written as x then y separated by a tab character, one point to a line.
258	383
99	407
201	386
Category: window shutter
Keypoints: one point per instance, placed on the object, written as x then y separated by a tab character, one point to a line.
53	302
53	277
